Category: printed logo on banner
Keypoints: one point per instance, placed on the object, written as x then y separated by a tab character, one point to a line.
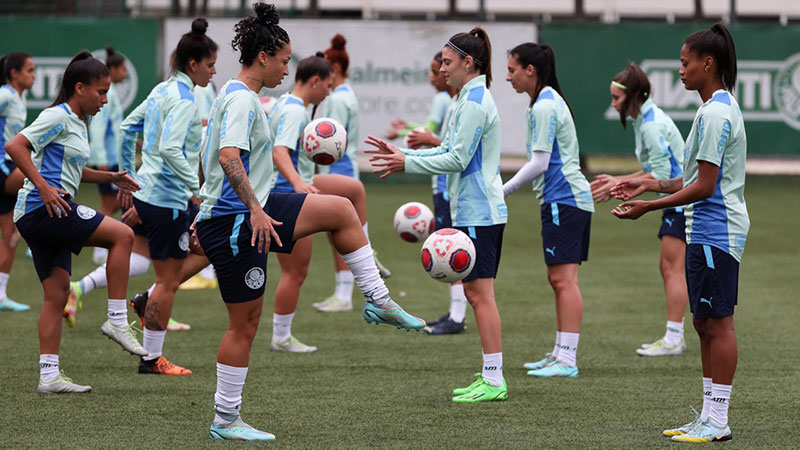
767	91
49	70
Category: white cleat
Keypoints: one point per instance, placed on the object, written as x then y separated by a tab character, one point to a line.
124	337
661	348
292	345
62	385
333	304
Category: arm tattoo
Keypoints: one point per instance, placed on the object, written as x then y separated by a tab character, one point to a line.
237	177
666	185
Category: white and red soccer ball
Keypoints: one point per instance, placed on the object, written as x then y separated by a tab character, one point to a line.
324	141
414	221
448	255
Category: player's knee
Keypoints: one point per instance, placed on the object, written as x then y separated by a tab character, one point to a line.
559	283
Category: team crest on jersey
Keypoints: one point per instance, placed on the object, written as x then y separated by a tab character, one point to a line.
183	241
86	213
254	278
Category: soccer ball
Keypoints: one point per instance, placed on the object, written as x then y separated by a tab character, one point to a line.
407	144
448	255
324	141
414	221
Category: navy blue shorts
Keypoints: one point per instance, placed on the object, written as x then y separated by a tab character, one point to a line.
167	230
7	202
241	270
52	239
673	223
441	211
108	188
565	234
488	247
712	277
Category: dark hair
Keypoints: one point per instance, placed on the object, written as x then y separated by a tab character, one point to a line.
637	89
542	58
113	59
259	33
438	57
84	68
477	45
194	45
717	43
12	61
311	66
336	54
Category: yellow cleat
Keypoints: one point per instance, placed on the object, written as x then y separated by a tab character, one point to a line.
199	282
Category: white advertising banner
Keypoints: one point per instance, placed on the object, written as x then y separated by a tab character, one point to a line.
389	62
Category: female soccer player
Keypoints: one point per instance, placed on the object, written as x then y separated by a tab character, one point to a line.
170	154
470	155
659	150
342	105
16	76
240	219
53	225
105	140
712	190
563	192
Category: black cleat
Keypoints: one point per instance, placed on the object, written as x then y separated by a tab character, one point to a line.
444	318
139	303
446	327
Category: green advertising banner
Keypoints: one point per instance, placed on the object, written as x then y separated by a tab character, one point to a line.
54	41
768	88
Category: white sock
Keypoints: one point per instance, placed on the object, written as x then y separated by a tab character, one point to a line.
228	398
3	285
100	253
557	347
97	279
344	285
138	265
150	290
706	399
48	367
208	272
118	312
153	342
458	303
362	264
281	327
365	227
568	348
493	368
720	400
674	333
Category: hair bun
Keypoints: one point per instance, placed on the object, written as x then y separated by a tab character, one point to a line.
338	42
199	25
320	55
266	13
110	51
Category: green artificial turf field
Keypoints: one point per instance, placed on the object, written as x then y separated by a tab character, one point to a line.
378	387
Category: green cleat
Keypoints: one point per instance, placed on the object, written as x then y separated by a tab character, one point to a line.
6	304
466	390
548	359
661	348
555	370
333	304
391	314
484	392
62	385
705	432
239	431
292	345
685	428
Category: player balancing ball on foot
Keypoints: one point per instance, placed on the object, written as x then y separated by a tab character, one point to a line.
448	255
414	221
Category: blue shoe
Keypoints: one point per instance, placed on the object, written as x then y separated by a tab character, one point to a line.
446	327
391	314
238	430
548	359
6	304
683	429
29	253
555	370
705	432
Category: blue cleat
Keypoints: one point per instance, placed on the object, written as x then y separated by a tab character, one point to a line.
391	314
555	370
6	304
705	432
548	359
238	430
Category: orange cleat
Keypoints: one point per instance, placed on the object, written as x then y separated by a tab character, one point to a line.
161	366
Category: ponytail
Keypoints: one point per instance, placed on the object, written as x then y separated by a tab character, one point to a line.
83	68
12	61
543	59
336	54
194	45
113	59
717	43
637	89
477	45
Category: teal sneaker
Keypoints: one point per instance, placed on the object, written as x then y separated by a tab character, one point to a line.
238	430
548	359
705	432
6	304
391	314
29	253
476	383
555	370
684	428
484	392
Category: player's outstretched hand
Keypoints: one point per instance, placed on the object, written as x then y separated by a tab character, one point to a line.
417	139
631	210
123	181
386	159
628	189
601	187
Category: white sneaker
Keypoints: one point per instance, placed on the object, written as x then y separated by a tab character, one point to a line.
124	336
292	345
661	348
333	304
62	385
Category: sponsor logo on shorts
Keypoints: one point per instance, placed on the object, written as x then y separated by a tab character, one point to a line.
254	278
86	213
183	241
